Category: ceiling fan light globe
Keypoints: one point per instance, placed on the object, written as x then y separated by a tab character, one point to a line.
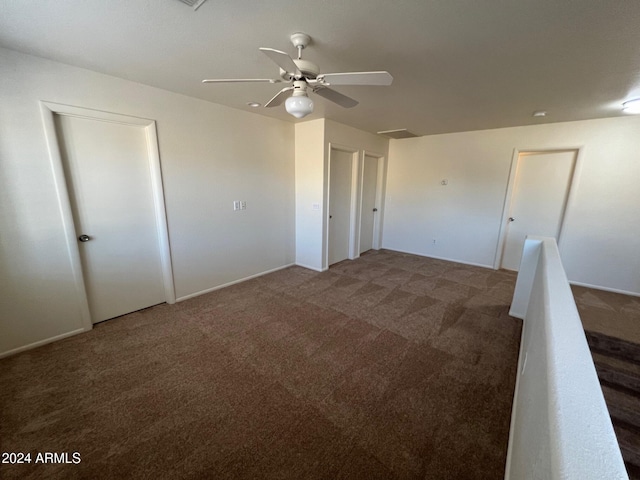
299	106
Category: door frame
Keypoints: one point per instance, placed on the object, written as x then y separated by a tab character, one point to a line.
378	201
354	203
508	198
48	112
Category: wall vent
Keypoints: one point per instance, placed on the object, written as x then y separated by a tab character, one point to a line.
196	4
398	134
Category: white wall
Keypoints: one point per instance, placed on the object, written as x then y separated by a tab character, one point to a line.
313	144
309	191
599	243
210	156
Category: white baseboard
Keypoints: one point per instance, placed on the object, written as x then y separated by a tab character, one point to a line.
308	267
482	265
43	342
244	279
606	289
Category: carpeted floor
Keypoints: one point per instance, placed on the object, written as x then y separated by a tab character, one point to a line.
389	366
610	313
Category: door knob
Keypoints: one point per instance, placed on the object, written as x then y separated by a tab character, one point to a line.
375	209
511	219
84	238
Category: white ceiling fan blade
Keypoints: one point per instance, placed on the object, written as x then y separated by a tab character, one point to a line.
335	97
239	80
279	97
357	78
283	60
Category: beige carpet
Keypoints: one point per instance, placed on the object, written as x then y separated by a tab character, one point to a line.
389	366
613	314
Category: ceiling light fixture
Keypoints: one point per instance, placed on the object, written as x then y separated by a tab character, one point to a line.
539	113
299	104
632	106
196	4
253	104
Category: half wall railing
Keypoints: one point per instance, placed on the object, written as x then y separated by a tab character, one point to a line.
560	425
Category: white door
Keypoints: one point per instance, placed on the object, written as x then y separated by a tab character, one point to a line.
109	182
369	210
538	202
340	171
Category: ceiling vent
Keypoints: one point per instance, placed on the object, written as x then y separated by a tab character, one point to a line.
398	134
196	4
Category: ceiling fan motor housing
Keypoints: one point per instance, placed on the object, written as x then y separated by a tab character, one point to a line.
308	69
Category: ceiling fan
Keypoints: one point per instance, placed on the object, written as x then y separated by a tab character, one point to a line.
304	76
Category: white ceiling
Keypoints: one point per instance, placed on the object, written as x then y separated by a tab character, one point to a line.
457	64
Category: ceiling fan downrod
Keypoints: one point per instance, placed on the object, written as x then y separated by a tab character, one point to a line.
300	41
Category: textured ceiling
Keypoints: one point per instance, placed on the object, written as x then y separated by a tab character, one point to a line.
457	64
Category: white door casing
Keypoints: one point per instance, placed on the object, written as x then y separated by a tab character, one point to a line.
341	164
368	215
107	173
538	200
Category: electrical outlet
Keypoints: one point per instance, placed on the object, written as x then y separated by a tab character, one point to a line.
236	205
315	206
433	241
243	205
